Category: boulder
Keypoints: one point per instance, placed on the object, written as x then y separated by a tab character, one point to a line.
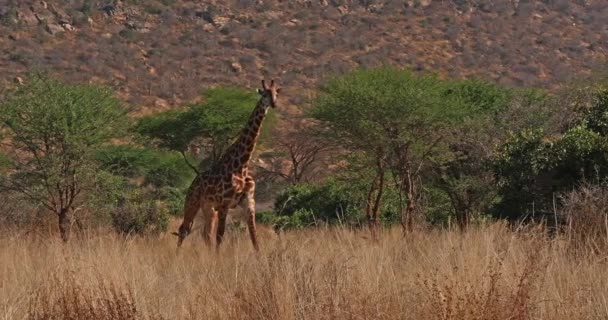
236	67
27	17
54	28
67	27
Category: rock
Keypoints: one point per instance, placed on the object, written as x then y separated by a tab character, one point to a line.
13	37
220	21
40	18
54	28
236	67
130	25
120	77
68	27
208	27
161	103
59	13
19	81
422	3
293	23
343	9
27	17
44	4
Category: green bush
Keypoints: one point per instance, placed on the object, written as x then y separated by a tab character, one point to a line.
158	168
533	168
139	213
308	204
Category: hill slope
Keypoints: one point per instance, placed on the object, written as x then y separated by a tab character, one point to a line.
158	53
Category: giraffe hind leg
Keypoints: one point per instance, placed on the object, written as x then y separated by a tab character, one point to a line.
221	226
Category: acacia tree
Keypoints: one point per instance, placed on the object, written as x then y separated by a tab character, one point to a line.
463	172
393	120
52	131
298	153
206	127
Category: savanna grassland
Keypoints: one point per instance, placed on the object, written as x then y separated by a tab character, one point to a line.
488	272
471	136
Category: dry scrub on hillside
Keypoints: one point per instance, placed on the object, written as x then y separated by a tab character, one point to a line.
485	273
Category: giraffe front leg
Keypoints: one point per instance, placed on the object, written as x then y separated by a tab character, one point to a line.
210	223
249	206
191	207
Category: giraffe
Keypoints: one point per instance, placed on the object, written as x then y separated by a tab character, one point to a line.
228	183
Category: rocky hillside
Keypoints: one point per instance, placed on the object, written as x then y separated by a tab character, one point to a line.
160	53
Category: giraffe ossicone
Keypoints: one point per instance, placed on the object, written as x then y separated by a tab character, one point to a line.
228	183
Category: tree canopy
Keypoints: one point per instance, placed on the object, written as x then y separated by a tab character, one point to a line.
52	132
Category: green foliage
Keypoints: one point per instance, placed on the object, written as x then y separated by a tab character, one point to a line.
533	167
87	8
129	208
462	177
152	9
5	163
307	204
479	97
211	124
138	213
54	130
158	168
595	116
402	124
438	207
368	108
265	217
518	164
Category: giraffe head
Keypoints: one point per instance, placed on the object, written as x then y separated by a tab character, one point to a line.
269	94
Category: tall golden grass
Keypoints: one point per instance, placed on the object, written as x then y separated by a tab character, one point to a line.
487	272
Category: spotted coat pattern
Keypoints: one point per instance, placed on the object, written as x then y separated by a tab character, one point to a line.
228	184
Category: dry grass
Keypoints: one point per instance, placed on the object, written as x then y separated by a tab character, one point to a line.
485	273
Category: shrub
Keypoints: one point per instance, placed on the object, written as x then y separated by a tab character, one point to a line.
139	213
308	204
158	168
532	167
585	213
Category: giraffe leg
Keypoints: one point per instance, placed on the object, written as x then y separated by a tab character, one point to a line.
248	204
210	222
191	207
221	226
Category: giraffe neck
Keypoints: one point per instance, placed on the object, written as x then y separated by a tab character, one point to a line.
241	150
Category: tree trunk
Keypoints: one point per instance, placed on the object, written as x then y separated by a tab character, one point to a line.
374	223
370	200
462	209
407	216
378	184
65	223
462	217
